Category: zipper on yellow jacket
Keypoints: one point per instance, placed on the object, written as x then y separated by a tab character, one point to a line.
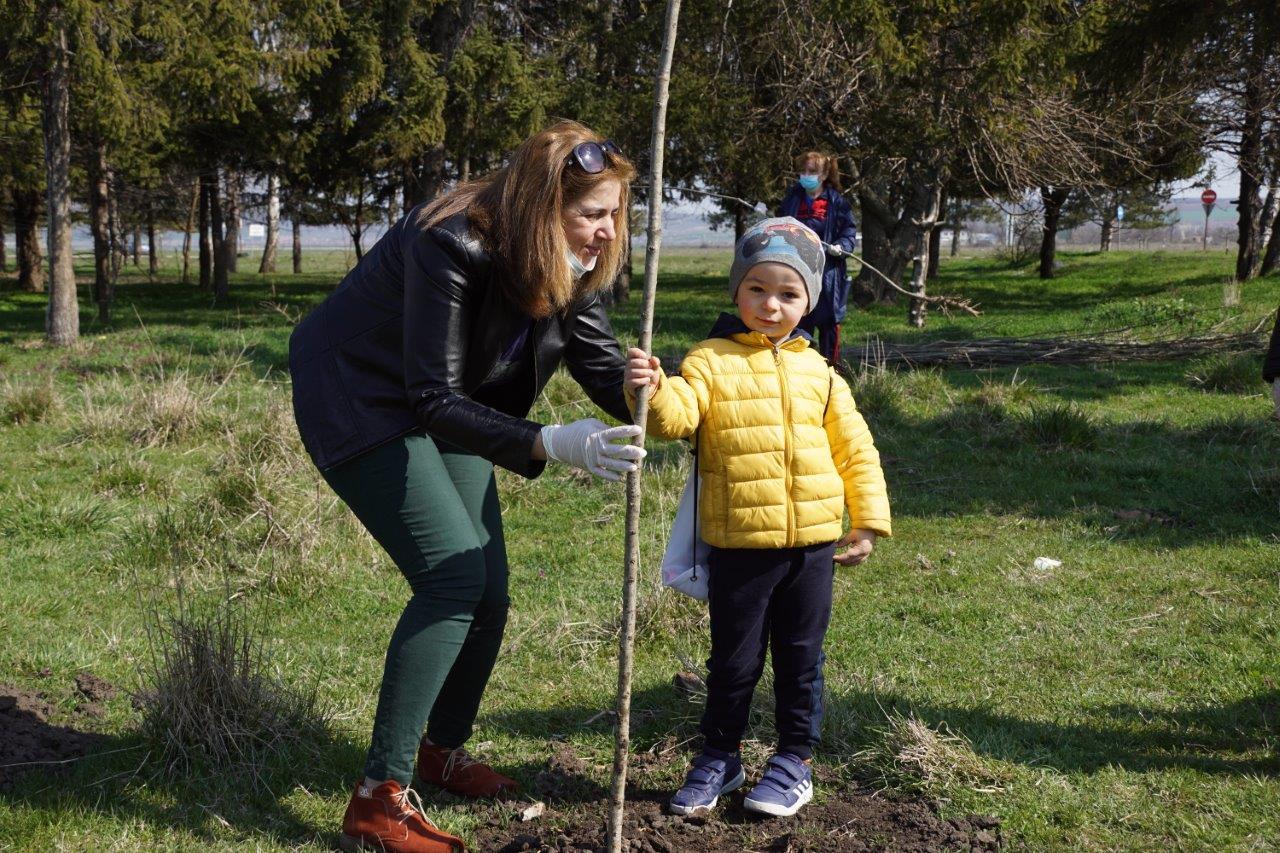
786	434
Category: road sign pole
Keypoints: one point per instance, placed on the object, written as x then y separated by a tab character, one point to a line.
1207	198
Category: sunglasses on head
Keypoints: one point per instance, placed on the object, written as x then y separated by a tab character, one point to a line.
591	156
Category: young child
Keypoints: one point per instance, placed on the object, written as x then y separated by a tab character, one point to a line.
782	453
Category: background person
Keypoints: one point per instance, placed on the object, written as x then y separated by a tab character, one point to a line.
411	381
816	200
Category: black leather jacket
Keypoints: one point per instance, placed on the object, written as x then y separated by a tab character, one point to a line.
414	330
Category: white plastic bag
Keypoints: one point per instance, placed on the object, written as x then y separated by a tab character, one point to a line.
684	565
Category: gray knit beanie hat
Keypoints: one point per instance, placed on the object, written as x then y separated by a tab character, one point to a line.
784	240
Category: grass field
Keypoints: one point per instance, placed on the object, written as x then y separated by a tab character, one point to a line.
1126	699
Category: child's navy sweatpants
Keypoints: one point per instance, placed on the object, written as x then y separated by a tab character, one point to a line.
778	599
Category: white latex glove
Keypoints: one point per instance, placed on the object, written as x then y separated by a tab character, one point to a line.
589	444
834	251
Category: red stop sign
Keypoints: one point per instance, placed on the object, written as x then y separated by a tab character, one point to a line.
1208	197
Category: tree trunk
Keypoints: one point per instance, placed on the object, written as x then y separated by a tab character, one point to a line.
935	249
221	284
622	284
1267	221
4	249
186	233
297	244
62	321
206	235
919	270
1271	259
26	237
1251	166
1105	242
1052	198
153	247
232	219
268	264
99	225
739	222
135	244
115	229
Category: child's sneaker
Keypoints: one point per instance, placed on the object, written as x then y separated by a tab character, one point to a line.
713	773
787	785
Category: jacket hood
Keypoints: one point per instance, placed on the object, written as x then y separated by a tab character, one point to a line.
727	325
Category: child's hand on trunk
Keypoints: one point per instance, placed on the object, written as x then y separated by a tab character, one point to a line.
642	369
863	542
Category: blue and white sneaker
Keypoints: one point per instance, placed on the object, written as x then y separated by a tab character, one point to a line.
787	785
713	773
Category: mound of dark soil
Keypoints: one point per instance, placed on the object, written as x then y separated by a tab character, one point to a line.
841	820
29	739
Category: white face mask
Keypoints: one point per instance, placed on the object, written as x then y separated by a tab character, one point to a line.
578	268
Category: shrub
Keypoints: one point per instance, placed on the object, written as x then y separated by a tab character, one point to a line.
210	703
1061	425
1234	373
877	391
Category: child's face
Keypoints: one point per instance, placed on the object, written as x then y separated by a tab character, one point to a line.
771	300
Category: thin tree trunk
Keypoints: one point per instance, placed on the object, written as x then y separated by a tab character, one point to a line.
297	244
232	220
153	247
62	321
26	237
4	249
626	642
206	235
114	227
268	264
1267	221
919	270
186	233
1052	198
136	244
221	284
955	229
1105	241
99	215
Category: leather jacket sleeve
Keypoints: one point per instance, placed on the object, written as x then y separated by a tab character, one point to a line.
438	301
595	360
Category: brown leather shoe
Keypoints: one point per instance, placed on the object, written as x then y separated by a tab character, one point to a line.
459	773
390	818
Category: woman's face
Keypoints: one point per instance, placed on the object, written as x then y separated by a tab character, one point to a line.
588	220
814	166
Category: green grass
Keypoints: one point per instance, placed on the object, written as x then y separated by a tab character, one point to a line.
1124	700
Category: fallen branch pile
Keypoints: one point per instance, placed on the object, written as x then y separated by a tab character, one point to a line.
1015	351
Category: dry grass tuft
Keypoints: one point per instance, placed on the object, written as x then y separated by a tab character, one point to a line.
22	403
210	702
910	754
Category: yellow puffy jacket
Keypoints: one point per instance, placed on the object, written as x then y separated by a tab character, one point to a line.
782	450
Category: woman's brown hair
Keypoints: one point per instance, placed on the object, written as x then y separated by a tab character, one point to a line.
826	163
517	211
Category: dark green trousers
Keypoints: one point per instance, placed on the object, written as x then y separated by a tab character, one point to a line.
434	508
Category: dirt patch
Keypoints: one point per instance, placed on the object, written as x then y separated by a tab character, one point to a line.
32	741
841	820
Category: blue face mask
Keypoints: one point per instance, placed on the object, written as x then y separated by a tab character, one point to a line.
810	182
